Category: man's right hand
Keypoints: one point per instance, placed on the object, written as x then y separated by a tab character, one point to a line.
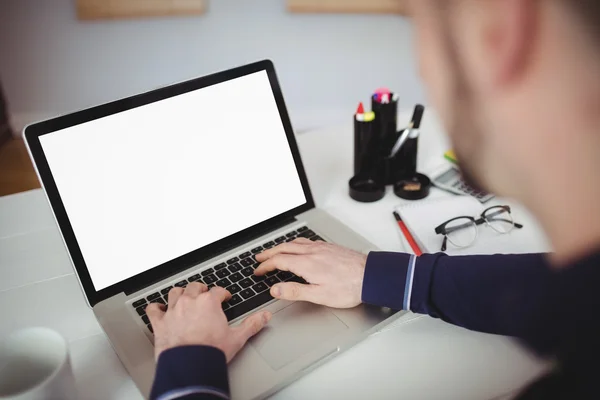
334	273
195	317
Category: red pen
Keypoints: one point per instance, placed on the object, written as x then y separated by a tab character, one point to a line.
411	241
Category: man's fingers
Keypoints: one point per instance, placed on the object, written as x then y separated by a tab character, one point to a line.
155	313
294	247
297	292
251	326
174	295
194	289
302	240
220	293
276	262
282	262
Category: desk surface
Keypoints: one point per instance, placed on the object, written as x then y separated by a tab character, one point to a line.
417	357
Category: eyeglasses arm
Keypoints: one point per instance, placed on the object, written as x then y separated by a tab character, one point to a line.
447	231
444	243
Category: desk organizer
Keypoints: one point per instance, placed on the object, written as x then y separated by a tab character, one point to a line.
378	161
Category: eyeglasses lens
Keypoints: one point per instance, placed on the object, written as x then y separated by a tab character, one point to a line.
461	232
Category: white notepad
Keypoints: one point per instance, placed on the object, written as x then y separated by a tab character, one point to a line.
422	218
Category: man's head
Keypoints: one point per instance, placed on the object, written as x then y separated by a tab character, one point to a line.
516	83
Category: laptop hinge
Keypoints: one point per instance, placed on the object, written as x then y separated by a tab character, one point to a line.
224	249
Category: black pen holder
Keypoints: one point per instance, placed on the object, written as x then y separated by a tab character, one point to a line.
365	146
373	142
403	165
374	169
386	117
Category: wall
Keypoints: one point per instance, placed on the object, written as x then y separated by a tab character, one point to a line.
51	63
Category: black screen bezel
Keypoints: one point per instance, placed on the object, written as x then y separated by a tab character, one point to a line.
33	132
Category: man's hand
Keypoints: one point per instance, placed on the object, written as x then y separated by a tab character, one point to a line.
195	317
335	274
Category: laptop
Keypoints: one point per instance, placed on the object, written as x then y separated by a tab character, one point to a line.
187	183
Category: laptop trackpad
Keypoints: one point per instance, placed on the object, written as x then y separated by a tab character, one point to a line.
294	331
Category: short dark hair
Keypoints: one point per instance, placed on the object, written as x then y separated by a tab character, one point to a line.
587	11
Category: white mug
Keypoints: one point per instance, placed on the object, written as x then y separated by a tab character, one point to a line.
35	365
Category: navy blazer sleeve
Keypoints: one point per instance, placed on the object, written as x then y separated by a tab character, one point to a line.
486	293
191	372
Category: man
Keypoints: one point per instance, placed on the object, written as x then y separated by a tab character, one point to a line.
516	83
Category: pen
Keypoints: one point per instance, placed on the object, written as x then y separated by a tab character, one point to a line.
411	131
405	134
411	241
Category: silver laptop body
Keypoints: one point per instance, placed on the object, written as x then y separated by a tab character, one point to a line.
115	209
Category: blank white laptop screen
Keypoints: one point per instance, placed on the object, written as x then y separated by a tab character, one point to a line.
147	185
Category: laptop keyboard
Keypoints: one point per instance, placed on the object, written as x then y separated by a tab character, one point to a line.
237	276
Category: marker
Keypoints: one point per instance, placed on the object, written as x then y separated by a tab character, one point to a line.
409	238
385	97
417	116
360	113
380	92
360	109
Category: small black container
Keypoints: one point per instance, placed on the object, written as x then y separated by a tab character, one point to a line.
416	187
365	189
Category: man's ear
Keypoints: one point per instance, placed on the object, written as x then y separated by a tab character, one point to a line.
508	38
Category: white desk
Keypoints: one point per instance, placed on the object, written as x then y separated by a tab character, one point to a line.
415	358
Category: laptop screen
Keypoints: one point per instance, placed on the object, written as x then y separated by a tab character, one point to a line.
150	184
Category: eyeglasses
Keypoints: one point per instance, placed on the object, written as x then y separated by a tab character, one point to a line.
462	231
